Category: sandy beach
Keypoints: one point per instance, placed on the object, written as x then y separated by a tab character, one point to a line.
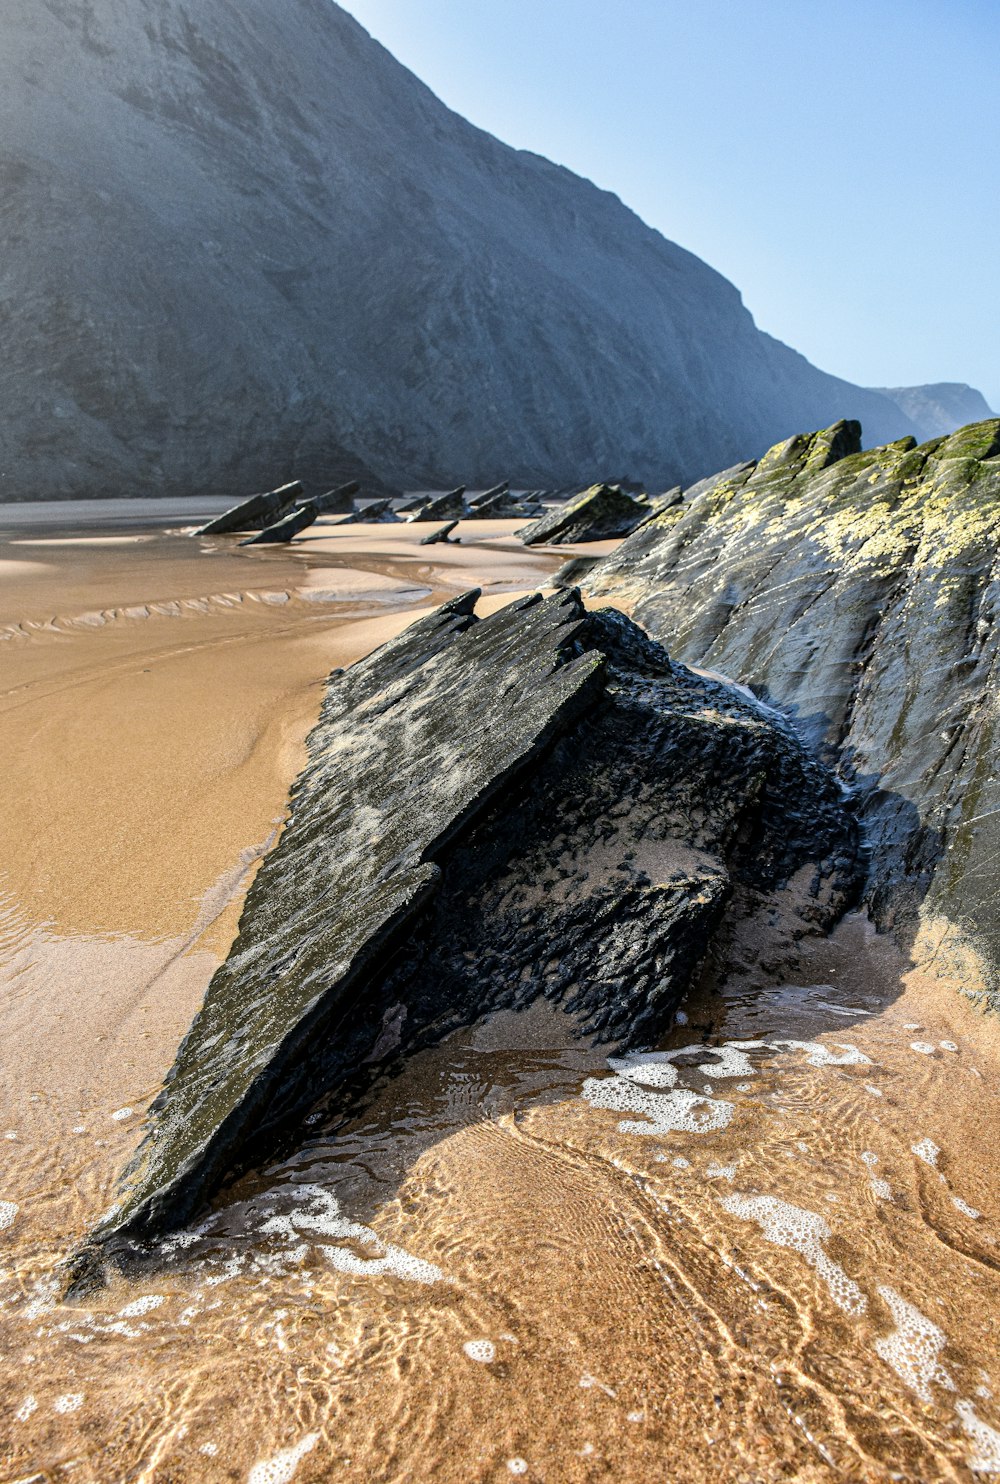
499	1276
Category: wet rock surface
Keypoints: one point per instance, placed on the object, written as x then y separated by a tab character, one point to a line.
256	513
539	803
858	592
299	518
600	513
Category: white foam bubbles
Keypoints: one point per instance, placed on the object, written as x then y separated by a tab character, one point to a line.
517	1466
680	1111
924	1047
71	1402
25	1410
986	1459
869	1158
8	1210
144	1305
947	1045
969	1211
651	1068
928	1151
818	1055
120	1114
913	1348
881	1188
720	1172
281	1467
321	1214
804	1232
482	1350
209	1449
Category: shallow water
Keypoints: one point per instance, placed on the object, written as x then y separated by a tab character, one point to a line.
769	1252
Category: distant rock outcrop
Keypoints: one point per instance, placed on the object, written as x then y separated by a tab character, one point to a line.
600	513
537	803
239	239
255	513
940	408
860	593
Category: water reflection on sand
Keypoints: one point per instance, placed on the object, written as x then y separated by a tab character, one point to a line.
767	1249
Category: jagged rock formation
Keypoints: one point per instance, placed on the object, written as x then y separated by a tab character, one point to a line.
538	803
242	239
339	501
376	512
442	507
572	573
859	593
600	513
939	409
256	513
501	506
440	535
488	494
299	518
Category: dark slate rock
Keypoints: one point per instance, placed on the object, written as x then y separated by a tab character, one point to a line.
574	571
495	489
502	506
598	514
858	591
299	518
256	513
537	803
376	512
441	534
339	501
443	507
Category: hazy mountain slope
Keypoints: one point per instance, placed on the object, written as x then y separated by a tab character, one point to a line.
940	408
239	238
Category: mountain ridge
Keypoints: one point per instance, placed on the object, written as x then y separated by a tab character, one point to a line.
243	245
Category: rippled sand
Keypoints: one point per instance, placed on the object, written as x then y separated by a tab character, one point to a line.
774	1259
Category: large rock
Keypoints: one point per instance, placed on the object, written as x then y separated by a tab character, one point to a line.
255	513
598	514
538	803
859	593
339	501
298	519
443	507
376	512
501	506
238	239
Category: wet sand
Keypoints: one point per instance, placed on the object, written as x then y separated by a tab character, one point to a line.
519	1260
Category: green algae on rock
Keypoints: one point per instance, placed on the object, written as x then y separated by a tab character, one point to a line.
858	591
600	513
536	803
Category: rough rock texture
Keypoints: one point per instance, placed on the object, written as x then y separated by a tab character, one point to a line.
376	512
859	593
489	494
443	507
502	506
572	573
598	514
339	501
538	803
939	409
241	239
440	535
299	518
255	513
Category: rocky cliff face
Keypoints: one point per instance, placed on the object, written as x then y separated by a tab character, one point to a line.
940	408
240	243
858	592
537	803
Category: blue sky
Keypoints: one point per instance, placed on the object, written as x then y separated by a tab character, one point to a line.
839	162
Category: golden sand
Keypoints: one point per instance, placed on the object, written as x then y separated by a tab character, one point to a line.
486	1275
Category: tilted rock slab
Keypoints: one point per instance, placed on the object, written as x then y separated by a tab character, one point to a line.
598	514
537	803
859	591
256	513
299	518
339	501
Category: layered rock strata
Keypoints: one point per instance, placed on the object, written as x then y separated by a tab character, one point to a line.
859	592
537	803
600	513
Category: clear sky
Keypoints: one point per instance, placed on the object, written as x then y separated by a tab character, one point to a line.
838	161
